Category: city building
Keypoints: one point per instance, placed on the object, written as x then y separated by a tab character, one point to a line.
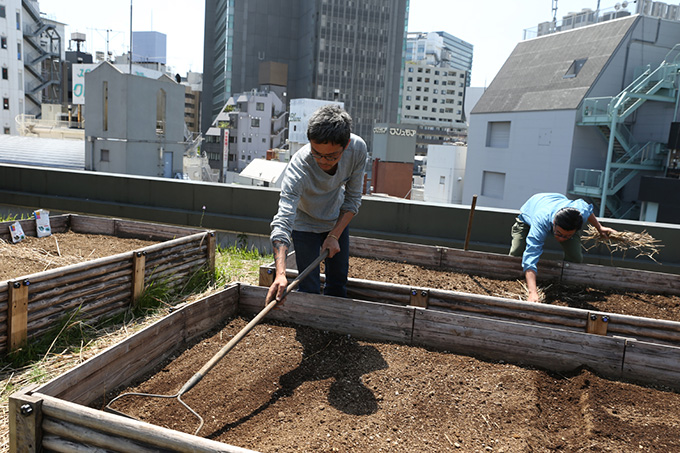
193	88
433	100
147	139
391	170
585	112
440	49
445	174
30	56
331	50
149	47
249	125
298	119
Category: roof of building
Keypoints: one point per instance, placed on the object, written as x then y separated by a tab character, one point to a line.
42	152
533	79
264	170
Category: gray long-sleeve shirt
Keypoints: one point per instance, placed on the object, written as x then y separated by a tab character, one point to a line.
311	199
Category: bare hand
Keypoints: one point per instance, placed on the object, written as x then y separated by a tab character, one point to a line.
277	289
332	245
533	296
605	232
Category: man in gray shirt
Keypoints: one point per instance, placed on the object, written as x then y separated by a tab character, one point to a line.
320	194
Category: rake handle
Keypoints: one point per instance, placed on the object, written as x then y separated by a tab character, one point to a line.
196	378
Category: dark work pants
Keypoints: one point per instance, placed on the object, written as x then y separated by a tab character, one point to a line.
308	248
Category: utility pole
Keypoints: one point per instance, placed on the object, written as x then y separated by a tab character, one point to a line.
554	11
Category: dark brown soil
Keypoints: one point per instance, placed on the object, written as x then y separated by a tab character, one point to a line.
289	388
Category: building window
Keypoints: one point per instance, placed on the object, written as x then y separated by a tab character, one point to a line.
105	105
5	74
160	112
3	42
259	106
2	11
254	122
7	132
493	184
498	134
104	155
18	20
575	68
5	103
243	139
442	180
18	51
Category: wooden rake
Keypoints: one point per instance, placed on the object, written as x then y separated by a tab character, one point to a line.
196	378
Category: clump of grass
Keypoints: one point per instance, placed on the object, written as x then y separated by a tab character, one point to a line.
643	243
239	264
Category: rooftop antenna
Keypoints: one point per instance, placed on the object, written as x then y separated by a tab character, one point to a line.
554	10
130	55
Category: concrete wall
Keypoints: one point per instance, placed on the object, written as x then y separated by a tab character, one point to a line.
236	210
536	160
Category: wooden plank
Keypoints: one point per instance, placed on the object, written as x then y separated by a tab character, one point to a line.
419	297
496	265
423	255
210	312
134	430
620	278
152	231
359	318
113	368
652	364
93	225
47	293
87	439
266	276
25	423
138	267
17	314
555	349
212	248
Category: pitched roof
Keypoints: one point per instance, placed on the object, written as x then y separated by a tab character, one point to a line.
42	152
533	79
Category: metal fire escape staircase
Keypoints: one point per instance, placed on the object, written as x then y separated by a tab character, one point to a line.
47	75
626	158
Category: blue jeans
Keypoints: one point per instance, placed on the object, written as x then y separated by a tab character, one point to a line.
307	249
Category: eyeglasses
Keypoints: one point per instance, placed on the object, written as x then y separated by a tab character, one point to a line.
559	234
329	157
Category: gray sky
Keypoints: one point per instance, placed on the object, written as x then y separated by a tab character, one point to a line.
494	27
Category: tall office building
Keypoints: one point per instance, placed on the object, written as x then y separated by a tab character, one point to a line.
338	50
441	49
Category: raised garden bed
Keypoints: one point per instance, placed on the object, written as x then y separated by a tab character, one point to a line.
32	304
357	375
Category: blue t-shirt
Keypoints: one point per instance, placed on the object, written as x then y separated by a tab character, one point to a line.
539	212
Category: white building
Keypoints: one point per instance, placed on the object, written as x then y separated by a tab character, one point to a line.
252	123
444	179
135	125
433	100
31	50
563	115
300	111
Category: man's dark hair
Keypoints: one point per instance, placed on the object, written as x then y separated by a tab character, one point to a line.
330	124
569	219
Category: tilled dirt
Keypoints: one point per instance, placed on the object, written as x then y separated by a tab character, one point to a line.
290	388
33	255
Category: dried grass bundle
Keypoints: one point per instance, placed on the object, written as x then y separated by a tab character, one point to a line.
643	242
524	296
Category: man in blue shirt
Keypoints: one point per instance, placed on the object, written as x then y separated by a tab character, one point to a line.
550	214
